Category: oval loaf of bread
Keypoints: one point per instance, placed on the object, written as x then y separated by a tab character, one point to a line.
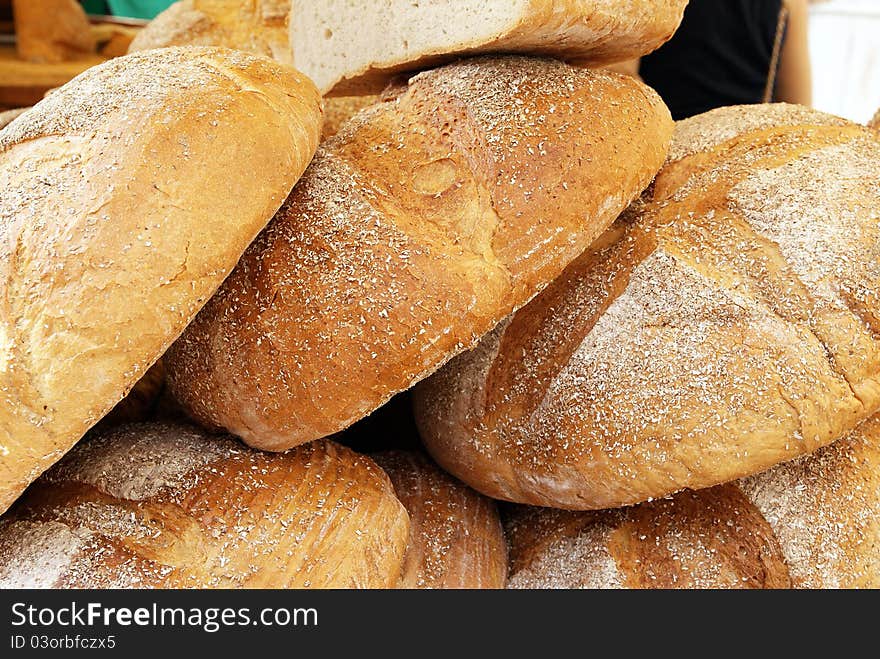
129	195
810	523
456	535
728	324
167	506
355	46
254	26
424	222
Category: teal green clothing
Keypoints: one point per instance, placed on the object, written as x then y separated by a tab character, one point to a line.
128	8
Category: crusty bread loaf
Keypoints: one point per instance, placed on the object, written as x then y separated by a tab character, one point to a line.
425	221
456	535
354	47
8	116
709	539
339	109
810	523
875	121
165	506
51	31
729	325
129	195
256	26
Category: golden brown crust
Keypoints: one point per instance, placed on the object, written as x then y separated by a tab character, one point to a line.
810	523
165	506
709	539
875	122
825	510
339	109
65	36
256	27
589	32
728	326
706	131
147	224
456	535
416	229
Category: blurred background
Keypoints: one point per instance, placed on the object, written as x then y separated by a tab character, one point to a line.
845	54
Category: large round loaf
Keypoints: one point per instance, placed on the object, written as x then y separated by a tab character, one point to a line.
424	222
810	523
456	539
257	27
727	325
355	46
128	196
166	506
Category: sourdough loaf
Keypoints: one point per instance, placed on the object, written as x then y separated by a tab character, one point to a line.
355	47
254	26
456	536
130	193
166	506
728	324
424	222
810	523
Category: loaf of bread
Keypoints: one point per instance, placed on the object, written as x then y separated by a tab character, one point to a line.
354	47
424	222
129	195
875	121
709	539
456	536
727	325
166	506
51	31
256	26
8	116
810	523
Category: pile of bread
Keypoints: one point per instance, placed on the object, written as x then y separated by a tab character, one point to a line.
658	346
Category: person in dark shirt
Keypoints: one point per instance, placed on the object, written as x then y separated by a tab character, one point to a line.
732	52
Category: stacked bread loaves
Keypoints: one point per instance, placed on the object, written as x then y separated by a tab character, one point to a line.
726	324
667	342
418	227
810	523
356	46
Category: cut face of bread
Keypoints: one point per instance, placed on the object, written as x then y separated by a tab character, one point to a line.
355	46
